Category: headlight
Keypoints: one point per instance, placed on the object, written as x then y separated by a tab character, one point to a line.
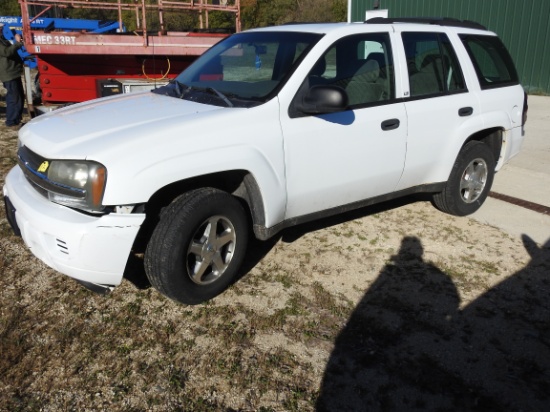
77	183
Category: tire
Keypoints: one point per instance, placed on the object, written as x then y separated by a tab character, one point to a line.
470	181
198	246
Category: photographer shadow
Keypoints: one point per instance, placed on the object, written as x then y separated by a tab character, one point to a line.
409	346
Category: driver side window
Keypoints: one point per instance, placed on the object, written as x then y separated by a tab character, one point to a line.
362	65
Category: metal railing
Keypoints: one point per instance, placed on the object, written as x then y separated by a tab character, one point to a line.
141	9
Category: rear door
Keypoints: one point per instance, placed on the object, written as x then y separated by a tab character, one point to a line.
439	106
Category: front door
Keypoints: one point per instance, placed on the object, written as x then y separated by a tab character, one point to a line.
341	158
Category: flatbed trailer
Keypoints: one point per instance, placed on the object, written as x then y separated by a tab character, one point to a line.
75	66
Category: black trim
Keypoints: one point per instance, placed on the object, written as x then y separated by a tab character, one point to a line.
432	95
264	233
94	287
31	159
375	104
10	216
465	111
390	124
436	21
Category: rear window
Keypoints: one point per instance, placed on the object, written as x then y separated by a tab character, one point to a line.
493	64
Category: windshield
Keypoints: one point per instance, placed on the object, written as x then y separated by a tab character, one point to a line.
243	70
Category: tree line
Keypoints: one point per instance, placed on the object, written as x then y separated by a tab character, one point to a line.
254	13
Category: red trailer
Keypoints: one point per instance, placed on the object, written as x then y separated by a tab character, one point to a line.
78	66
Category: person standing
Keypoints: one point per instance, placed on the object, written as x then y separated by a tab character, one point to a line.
11	69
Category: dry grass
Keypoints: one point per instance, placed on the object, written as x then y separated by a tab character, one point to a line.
394	308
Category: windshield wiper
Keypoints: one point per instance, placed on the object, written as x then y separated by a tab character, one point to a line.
172	89
181	89
220	95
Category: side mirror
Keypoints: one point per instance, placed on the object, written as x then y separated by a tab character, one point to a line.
323	99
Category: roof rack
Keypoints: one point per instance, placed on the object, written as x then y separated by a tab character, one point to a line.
438	21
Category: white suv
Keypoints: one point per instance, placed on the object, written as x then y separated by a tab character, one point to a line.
270	128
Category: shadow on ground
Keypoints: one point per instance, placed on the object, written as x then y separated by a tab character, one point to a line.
409	346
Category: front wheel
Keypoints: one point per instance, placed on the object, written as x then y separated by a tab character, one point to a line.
470	181
198	246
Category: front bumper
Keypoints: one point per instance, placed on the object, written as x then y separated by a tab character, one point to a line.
87	248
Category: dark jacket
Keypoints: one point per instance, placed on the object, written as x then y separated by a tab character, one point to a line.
11	65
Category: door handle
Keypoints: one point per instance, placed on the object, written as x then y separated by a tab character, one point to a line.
465	111
390	124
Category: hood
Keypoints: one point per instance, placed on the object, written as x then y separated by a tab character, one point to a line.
64	133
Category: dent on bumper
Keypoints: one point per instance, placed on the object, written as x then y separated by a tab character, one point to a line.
88	248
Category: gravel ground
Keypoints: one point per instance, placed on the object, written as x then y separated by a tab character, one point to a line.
396	307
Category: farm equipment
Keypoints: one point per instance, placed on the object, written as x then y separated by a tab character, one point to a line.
78	60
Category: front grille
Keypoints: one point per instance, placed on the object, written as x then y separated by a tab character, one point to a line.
30	159
29	163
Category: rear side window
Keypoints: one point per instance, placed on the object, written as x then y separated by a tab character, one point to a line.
493	64
432	65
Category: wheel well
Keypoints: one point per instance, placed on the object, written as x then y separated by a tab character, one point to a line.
492	138
240	183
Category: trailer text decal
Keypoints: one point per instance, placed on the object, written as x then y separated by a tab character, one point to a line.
49	39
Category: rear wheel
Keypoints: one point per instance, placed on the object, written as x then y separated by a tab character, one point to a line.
198	246
470	181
